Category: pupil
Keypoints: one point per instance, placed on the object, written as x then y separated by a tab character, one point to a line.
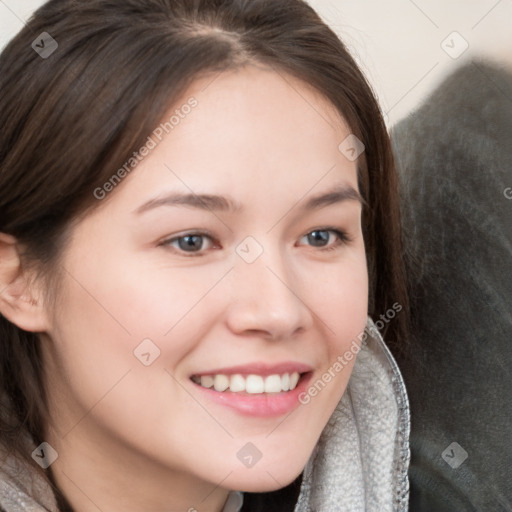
318	236
190	242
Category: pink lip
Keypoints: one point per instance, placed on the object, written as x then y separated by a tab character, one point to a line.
264	405
259	369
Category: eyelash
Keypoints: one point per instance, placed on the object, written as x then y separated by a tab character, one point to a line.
343	239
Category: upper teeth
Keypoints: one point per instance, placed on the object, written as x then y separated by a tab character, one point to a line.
251	383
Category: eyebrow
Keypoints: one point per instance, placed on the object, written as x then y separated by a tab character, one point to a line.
211	202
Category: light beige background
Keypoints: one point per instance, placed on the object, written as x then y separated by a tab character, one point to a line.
398	43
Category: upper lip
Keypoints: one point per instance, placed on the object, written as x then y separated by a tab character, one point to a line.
259	369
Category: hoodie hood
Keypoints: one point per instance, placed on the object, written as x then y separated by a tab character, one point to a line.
359	464
361	460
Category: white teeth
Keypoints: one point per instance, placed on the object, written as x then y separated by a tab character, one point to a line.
252	384
207	381
273	384
220	383
285	382
294	378
237	383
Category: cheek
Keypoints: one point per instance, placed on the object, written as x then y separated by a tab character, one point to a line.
158	299
342	305
117	318
342	301
112	362
121	299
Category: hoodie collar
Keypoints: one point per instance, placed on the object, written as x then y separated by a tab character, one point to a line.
361	460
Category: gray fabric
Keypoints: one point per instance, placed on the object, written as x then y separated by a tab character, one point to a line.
20	491
361	460
359	464
455	160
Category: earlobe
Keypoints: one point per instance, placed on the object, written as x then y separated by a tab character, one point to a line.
20	300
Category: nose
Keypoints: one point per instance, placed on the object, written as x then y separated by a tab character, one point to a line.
266	299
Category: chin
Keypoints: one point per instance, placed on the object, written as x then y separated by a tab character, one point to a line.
264	480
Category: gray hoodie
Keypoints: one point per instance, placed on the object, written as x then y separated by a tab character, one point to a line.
359	464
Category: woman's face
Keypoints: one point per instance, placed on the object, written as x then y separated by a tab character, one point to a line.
217	260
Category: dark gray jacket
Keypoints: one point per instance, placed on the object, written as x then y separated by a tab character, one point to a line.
455	160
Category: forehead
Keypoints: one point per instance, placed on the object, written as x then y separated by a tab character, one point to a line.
257	133
257	105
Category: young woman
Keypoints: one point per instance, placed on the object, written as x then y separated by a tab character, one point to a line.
198	220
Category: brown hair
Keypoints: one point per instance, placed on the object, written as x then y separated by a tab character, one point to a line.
70	119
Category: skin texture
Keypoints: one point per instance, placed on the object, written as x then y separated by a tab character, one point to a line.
135	437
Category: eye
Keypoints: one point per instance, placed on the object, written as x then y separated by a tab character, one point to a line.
197	243
321	237
192	243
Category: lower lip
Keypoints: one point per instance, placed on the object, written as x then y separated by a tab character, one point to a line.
262	405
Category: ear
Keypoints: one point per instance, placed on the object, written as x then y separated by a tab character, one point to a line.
20	301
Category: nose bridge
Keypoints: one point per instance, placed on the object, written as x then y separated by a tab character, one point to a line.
264	293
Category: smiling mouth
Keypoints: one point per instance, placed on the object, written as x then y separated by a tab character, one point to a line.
249	384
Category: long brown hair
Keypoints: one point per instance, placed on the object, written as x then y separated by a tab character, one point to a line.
69	120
